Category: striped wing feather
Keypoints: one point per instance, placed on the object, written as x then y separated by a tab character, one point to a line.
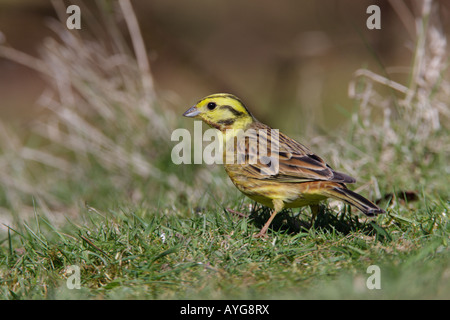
296	163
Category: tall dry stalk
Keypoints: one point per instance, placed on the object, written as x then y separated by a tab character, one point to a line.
400	135
101	110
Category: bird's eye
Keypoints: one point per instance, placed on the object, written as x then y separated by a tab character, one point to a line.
211	105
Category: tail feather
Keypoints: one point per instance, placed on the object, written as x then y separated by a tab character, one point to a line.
365	206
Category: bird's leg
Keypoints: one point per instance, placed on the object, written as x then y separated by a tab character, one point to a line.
278	206
263	232
315	208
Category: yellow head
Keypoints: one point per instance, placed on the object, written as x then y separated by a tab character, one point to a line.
221	111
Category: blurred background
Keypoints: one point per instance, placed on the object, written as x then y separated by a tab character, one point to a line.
290	61
87	114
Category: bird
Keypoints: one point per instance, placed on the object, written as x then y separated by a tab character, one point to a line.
268	166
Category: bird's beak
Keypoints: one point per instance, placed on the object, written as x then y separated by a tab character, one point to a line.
192	112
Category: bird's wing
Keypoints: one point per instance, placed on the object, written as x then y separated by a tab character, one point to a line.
285	160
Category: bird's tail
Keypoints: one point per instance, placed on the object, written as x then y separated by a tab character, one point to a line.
365	206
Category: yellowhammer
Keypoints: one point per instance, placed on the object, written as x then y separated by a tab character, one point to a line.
268	166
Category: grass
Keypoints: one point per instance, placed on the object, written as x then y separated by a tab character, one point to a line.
79	191
139	253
